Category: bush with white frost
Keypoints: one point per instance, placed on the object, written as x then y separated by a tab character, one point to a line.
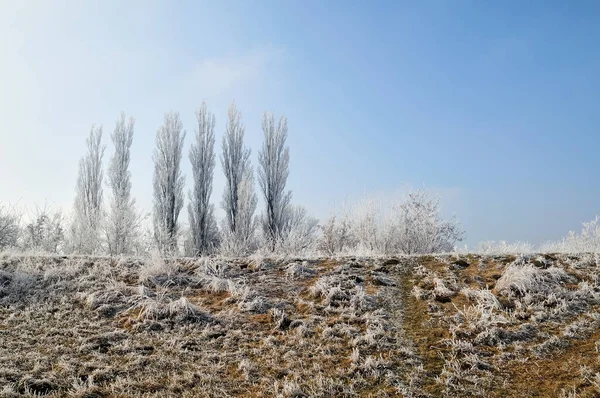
156	270
419	227
335	235
588	240
9	228
414	225
299	233
491	247
370	233
45	232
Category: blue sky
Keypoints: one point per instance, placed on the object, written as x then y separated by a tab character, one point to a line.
493	105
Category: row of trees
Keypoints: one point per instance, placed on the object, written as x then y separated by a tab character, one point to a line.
410	225
116	229
413	225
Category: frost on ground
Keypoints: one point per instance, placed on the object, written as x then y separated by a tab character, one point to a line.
417	327
86	327
507	326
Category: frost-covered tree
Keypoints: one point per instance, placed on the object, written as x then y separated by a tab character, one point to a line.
123	220
9	227
87	217
414	225
299	233
239	200
45	231
367	226
273	172
241	241
203	227
335	235
168	182
420	227
373	228
588	240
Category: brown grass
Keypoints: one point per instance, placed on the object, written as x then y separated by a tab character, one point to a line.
387	342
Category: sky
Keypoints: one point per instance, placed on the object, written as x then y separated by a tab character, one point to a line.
493	106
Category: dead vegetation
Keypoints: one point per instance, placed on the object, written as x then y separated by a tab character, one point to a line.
415	327
508	327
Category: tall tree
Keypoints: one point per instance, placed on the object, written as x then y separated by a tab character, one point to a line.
88	200
274	159
202	156
123	221
239	200
168	182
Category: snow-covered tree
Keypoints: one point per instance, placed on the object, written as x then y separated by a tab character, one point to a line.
273	172
203	227
413	225
87	217
168	182
9	227
123	220
588	240
335	235
420	227
45	231
299	233
239	200
367	226
242	240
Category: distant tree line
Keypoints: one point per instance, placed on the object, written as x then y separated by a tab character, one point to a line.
413	225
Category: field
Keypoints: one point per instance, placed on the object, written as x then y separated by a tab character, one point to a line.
491	326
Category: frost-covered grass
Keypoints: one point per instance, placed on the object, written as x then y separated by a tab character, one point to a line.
421	326
193	327
521	278
514	319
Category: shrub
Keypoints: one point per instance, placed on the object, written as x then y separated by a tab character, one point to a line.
9	228
45	232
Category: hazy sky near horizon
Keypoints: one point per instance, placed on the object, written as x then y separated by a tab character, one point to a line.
495	106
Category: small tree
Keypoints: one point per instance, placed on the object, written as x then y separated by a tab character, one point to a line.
203	227
588	240
366	226
299	232
273	172
123	221
335	235
9	228
239	200
45	232
420	227
168	182
87	219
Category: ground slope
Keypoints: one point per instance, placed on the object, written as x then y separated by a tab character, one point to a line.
415	326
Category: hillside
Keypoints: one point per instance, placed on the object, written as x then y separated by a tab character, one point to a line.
493	326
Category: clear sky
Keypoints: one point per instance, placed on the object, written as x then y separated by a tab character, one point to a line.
494	105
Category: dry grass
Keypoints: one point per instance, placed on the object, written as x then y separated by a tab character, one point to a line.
493	326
